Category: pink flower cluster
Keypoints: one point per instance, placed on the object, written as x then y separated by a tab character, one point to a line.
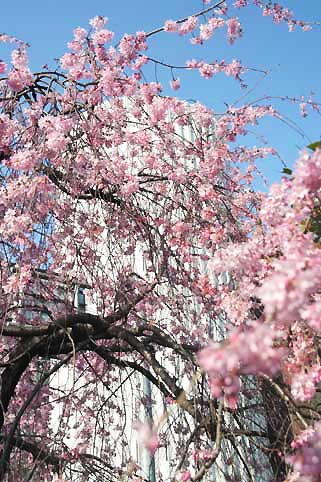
171	26
175	84
247	352
204	454
20	75
147	436
207	29
98	22
188	26
102	36
102	167
234	29
306	461
304	384
233	69
286	290
3	66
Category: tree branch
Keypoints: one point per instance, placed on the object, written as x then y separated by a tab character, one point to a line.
182	20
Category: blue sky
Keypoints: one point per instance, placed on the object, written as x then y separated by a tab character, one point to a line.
293	59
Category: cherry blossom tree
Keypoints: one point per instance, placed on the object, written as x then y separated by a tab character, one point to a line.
144	204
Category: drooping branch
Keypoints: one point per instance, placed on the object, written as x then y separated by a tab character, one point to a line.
218	439
112	360
39	453
8	442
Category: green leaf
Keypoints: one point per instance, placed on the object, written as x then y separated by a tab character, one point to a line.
315	145
287	170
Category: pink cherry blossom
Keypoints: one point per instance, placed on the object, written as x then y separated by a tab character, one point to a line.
234	29
102	36
247	352
80	34
171	26
98	22
175	84
303	385
307	460
3	66
137	252
148	437
188	26
185	476
206	70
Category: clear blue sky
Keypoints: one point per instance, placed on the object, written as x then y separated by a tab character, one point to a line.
293	58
